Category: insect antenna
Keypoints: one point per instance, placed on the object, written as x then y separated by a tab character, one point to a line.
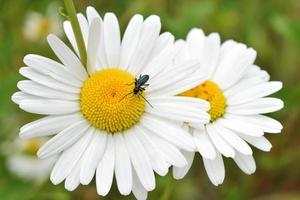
126	96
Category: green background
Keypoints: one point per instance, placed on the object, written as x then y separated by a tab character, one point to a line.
272	27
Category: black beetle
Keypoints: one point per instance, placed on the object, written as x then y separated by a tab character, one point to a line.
140	85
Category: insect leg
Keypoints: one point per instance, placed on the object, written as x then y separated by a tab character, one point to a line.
146	100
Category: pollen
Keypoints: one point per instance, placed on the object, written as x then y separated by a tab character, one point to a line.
108	103
210	92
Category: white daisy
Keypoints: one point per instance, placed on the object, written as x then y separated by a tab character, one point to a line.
236	90
38	26
25	164
99	125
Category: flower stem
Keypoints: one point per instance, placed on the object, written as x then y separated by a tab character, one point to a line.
69	4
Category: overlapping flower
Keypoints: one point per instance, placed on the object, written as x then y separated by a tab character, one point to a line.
237	90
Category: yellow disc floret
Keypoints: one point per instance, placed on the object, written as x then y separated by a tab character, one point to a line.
107	101
43	27
210	92
31	146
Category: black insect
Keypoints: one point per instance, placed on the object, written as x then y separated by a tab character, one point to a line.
140	85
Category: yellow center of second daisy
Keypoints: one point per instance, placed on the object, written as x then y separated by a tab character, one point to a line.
108	103
210	92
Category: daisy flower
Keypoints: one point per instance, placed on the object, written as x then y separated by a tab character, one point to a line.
25	164
120	116
237	91
38	26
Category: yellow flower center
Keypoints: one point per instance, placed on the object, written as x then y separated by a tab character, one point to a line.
210	92
30	147
44	27
107	103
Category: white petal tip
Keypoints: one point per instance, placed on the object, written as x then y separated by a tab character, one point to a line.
23	135
217	184
51	37
70	188
178	176
55	181
102	192
85	179
15	99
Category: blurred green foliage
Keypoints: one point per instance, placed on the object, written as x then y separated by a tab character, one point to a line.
272	27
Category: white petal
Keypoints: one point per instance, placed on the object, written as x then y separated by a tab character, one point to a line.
195	41
180	86
36	89
53	69
255	92
83	23
67	57
158	163
69	158
17	97
231	138
93	156
259	142
105	169
242	84
49	107
183	53
48	125
180	111
237	60
220	144
138	190
171	154
197	103
164	40
130	40
227	46
72	180
70	34
256	71
215	169
148	36
112	39
179	173
161	62
209	56
170	77
169	131
205	49
265	123
258	106
140	160
63	140
204	144
245	162
241	127
123	171
92	14
93	45
47	81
